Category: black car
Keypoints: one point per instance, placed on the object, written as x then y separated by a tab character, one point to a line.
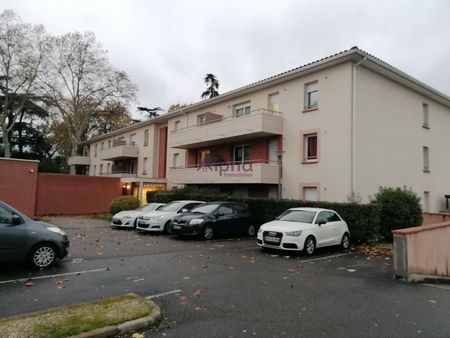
22	238
215	218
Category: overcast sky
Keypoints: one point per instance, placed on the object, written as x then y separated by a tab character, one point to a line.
168	46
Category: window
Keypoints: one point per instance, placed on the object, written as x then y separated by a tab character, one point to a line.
201	119
109	143
175	159
310	194
144	165
310	147
132	139
426	159
241	110
101	169
108	168
102	146
224	211
176	126
94	172
95	150
322	217
146	137
273	103
426	118
311	95
241	154
426	201
6	216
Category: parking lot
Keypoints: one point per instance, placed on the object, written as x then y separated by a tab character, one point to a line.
230	287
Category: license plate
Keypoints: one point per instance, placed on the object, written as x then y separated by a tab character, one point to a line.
178	227
272	239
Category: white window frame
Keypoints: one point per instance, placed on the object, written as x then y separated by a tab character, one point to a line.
241	110
310	88
144	165
273	102
176	125
426	159
243	146
201	119
146	137
426	115
306	138
176	156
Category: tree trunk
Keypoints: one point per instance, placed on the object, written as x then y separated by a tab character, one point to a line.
6	144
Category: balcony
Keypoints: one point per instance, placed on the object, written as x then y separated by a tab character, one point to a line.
215	173
79	160
119	152
120	174
258	123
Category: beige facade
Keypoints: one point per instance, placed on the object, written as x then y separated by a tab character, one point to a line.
343	126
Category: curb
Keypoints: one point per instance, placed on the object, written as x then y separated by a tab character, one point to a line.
132	325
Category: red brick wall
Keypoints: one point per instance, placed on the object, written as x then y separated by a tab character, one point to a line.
18	184
259	150
162	152
75	195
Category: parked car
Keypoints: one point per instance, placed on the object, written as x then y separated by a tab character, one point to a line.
161	219
22	238
127	218
215	218
304	229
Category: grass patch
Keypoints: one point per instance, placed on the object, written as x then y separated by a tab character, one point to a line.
75	319
101	217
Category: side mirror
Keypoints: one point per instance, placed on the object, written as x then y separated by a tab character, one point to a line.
184	210
277	218
218	215
16	220
321	222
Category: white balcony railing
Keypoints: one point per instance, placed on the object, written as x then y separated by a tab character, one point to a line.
227	172
258	123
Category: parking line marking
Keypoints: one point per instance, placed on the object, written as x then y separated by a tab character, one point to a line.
53	276
326	257
163	294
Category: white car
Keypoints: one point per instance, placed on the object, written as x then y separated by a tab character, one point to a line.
161	219
127	218
304	229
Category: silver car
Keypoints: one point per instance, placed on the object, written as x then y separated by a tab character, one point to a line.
161	219
22	238
127	218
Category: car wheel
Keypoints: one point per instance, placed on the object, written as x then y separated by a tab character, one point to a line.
43	256
166	227
208	232
345	242
251	230
309	246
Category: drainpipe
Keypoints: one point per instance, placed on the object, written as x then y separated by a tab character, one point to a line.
353	133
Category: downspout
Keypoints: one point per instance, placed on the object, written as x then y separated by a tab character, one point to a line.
353	133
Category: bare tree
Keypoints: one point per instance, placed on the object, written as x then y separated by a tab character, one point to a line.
212	86
21	55
151	112
80	83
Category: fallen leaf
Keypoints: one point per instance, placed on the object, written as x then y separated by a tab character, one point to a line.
200	308
231	268
198	292
137	335
186	277
432	301
29	283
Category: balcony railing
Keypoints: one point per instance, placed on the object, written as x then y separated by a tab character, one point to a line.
257	171
79	160
121	174
119	152
258	123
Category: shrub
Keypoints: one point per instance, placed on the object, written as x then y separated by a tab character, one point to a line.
362	219
123	203
398	208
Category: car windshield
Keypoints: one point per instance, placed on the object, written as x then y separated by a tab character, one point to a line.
302	216
148	207
172	206
205	208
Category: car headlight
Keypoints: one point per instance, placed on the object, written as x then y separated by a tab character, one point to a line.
195	221
57	230
294	233
156	217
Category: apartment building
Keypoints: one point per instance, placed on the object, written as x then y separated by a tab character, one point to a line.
335	129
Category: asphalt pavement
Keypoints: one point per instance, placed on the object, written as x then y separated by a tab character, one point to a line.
230	287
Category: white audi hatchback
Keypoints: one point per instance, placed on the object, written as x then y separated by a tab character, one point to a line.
304	229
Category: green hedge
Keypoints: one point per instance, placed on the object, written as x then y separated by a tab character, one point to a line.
362	219
123	203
